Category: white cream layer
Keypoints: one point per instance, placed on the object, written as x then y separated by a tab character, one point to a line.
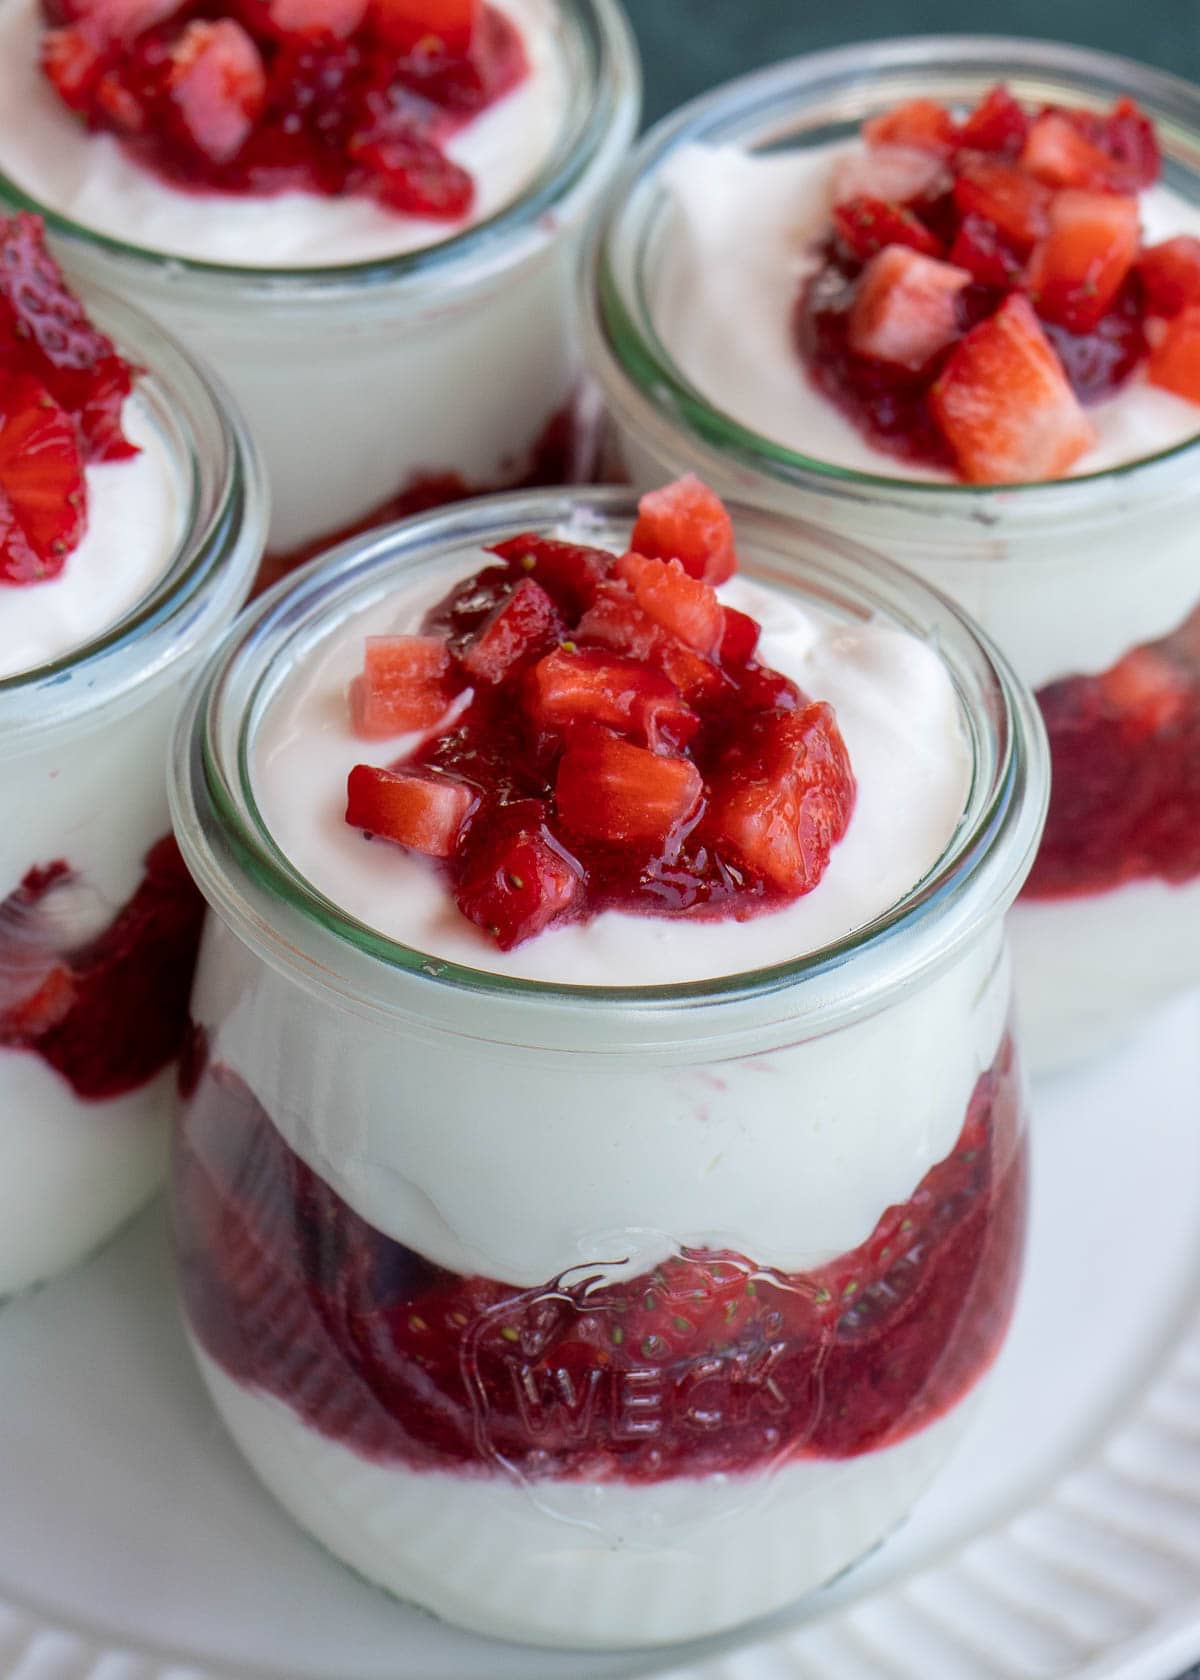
740	241
88	177
580	1564
896	709
135	517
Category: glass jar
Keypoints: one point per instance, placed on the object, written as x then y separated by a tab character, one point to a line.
1069	577
448	367
99	923
597	1316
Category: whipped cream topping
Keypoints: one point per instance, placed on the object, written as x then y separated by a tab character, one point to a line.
741	239
897	711
51	156
135	519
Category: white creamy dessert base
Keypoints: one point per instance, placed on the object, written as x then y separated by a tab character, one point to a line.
70	1169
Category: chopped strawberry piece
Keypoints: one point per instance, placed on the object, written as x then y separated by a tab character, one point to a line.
519	886
1174	362
339	18
72	62
906	308
739	637
1150	691
892	174
406	684
688	522
614	620
443	27
986	254
783	798
1060	154
685	606
569	572
412	174
700	682
218	85
572	687
611	791
1004	404
1079	267
416	808
518	631
998	124
1170	275
43	491
920	123
45	332
1006	196
1128	136
866	225
34	998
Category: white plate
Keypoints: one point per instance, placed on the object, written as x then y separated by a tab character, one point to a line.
1063	1541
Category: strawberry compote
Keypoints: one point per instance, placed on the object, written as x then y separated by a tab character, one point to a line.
604	1167
109	585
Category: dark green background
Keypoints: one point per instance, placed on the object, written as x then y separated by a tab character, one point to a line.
689	44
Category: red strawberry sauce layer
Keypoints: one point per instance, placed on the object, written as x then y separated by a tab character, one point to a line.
111	1013
1125	790
986	280
617	746
708	1363
265	96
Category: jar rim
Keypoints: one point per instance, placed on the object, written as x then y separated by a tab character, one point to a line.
252	885
211	568
636	368
579	162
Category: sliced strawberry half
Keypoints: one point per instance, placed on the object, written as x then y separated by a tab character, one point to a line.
218	86
611	791
1004	405
416	808
685	606
866	225
999	124
1174	362
575	686
1170	275
406	683
43	490
688	522
518	631
923	124
905	311
1090	246
438	27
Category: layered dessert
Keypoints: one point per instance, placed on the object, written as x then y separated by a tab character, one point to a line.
99	921
323	198
571	1324
965	302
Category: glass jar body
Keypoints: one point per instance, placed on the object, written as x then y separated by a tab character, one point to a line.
99	921
596	1315
1090	585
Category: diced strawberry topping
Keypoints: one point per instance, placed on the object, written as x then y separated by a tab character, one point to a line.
439	27
998	124
606	696
866	225
1079	267
988	257
412	174
43	492
920	123
686	521
1174	362
518	631
685	606
1004	404
45	332
1059	153
887	174
574	686
906	310
338	18
407	683
609	790
1170	275
218	86
416	808
1011	200
783	797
